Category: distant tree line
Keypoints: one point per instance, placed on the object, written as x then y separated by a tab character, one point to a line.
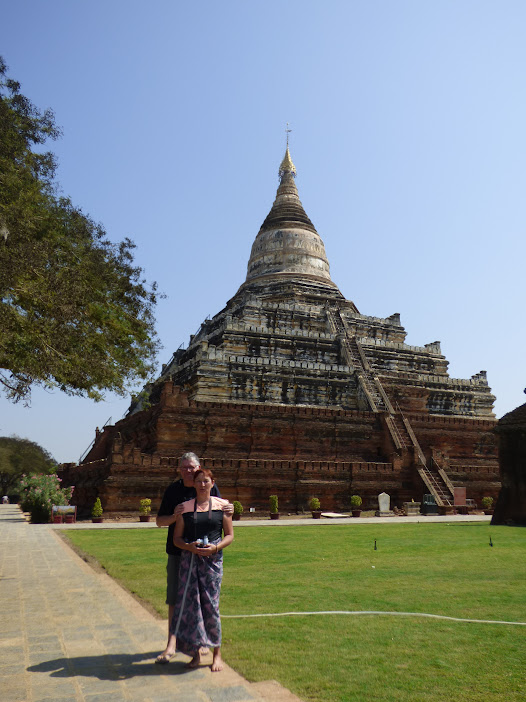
20	457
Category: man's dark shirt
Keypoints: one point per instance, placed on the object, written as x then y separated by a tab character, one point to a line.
175	494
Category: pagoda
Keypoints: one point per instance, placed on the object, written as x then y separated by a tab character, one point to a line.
289	390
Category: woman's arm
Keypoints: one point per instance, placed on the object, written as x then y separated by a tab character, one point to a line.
178	536
178	533
228	533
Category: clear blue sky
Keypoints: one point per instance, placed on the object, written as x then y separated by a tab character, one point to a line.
409	137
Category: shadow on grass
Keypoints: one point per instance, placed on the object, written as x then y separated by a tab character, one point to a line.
119	666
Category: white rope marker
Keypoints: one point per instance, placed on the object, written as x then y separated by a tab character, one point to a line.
371	612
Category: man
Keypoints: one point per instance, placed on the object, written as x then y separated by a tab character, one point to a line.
177	493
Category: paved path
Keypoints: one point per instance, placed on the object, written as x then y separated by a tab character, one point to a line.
70	634
283	521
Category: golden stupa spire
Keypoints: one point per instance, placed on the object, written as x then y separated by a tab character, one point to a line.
286	165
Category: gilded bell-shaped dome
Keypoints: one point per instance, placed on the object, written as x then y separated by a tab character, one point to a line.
288	245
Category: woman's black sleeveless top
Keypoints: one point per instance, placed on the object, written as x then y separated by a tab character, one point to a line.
199	524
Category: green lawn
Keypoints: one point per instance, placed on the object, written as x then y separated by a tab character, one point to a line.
442	569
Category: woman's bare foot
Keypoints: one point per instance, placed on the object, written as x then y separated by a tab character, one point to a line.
217	662
165	657
194	663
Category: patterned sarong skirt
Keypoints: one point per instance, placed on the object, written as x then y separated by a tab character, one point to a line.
196	621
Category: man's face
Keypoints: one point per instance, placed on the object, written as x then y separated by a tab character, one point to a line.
187	468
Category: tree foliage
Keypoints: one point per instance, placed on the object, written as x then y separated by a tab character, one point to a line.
20	457
75	312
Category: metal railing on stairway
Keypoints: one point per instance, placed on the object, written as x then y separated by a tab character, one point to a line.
442	473
438	484
396	436
93	442
369	382
438	490
412	437
355	357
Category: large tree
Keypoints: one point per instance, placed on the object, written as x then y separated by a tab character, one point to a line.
21	456
75	312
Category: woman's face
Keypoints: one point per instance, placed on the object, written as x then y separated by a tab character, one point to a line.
203	484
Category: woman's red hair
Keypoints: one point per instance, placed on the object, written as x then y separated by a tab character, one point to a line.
204	471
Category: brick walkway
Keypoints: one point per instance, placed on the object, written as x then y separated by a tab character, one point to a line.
69	633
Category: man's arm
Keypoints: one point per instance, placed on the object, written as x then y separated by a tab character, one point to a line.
229	507
167	513
165	520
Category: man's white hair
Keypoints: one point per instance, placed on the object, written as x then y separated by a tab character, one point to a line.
189	456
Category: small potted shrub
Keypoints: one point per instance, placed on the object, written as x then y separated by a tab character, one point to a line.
96	512
273	506
487	505
145	509
70	517
356	503
238	510
315	507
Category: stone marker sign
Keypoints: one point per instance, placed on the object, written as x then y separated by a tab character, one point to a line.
384	505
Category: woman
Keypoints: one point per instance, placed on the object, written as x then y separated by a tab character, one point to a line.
196	622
